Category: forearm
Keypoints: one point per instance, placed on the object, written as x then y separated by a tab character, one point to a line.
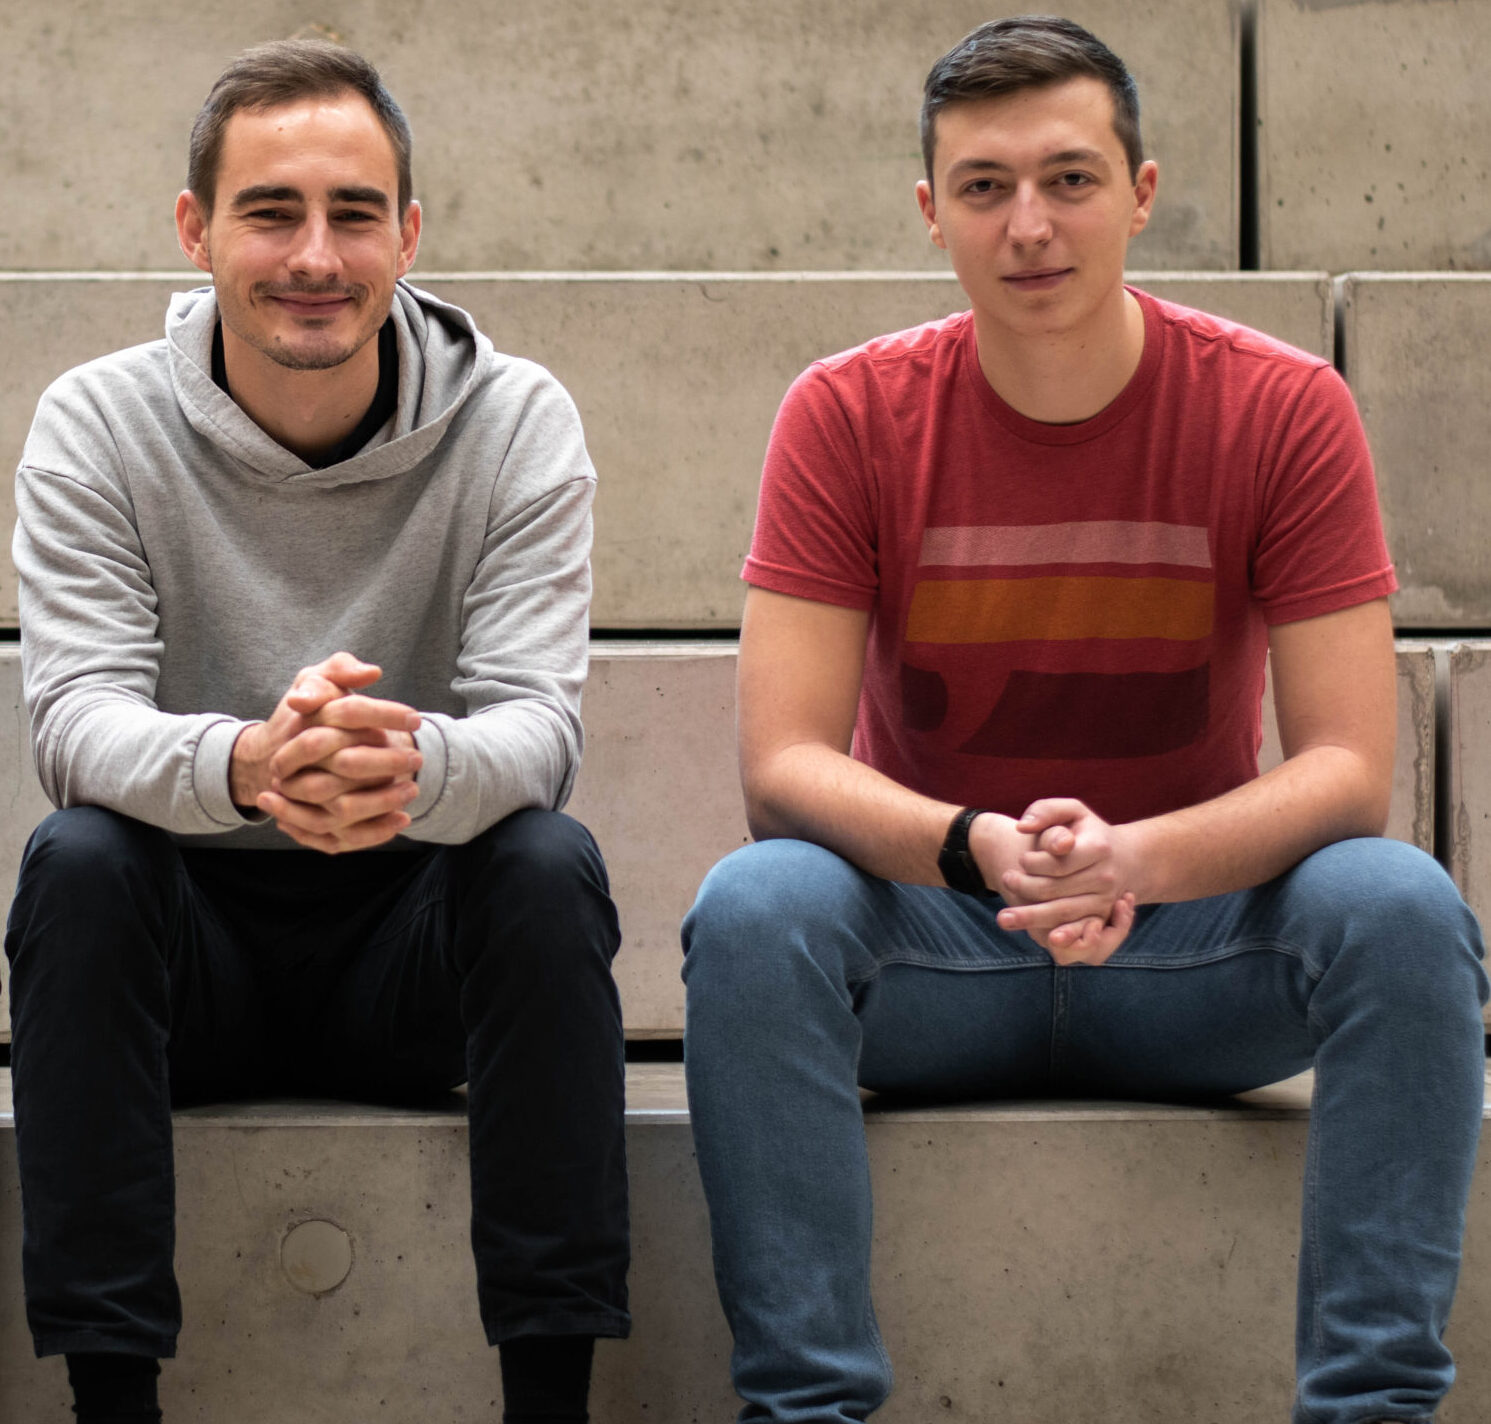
813	792
1258	830
100	748
477	770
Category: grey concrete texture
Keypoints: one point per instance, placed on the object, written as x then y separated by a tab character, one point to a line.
1005	1288
659	789
1419	363
1372	119
660	792
677	378
576	135
1469	751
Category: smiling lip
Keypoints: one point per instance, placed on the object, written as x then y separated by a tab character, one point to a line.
308	304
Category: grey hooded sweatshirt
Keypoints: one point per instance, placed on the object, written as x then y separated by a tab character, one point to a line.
178	567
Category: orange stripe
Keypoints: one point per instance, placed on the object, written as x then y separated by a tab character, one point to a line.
1057	609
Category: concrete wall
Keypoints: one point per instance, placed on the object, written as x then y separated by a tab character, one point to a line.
1418	360
579	135
677	379
1372	122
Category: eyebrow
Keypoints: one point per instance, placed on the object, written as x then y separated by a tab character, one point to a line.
274	193
1053	160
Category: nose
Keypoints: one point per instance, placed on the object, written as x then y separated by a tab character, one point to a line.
1029	217
315	252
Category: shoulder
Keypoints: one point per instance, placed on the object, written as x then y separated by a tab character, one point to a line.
136	370
1197	336
913	354
82	406
491	395
1242	374
882	380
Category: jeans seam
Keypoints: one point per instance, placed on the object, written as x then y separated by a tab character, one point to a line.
919	962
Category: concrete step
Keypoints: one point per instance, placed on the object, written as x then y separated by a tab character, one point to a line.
659	789
1046	1262
1372	125
774	136
1417	360
677	377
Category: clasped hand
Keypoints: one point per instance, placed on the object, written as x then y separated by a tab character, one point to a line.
1069	887
334	768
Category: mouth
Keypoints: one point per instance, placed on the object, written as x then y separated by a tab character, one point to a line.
310	303
1037	279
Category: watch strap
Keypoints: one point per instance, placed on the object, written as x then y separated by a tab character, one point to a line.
955	860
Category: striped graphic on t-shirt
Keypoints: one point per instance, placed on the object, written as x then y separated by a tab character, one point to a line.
1141	584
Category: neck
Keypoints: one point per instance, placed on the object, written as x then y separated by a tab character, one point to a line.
305	411
1062	377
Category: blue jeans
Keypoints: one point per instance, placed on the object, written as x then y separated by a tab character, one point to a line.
144	975
807	978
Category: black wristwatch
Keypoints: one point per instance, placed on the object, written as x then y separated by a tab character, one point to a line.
956	861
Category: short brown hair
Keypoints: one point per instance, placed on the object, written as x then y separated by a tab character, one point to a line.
1027	51
284	72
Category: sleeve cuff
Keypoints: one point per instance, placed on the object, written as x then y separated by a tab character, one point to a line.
210	767
431	779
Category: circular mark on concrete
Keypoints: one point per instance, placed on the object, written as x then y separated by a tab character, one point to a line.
316	1256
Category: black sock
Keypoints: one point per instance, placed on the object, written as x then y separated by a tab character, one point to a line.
546	1379
114	1389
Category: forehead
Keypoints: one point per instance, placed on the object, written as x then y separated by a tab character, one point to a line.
310	144
1023	126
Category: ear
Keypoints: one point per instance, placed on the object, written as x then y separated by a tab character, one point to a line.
928	205
1145	184
408	237
191	230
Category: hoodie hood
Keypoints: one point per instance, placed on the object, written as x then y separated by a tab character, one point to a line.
442	359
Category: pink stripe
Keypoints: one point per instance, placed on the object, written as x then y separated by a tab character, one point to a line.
1111	541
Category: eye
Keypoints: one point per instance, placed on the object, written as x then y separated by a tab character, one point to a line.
1073	180
357	215
980	187
267	214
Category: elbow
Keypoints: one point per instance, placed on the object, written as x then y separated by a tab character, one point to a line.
764	813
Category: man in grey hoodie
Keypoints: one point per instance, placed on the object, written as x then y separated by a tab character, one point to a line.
316	457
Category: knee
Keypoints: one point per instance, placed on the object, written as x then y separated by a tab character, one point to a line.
88	847
1403	920
88	861
767	913
538	878
87	871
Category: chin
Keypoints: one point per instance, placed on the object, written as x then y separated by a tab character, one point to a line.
309	358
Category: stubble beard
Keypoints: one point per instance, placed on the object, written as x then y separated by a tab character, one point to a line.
304	358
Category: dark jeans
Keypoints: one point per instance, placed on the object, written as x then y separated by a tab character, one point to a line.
144	975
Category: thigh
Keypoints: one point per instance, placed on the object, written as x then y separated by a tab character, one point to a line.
467	937
1218	995
114	944
947	1003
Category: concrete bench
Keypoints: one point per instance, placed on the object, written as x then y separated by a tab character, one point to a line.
677	377
773	136
1372	125
1046	1262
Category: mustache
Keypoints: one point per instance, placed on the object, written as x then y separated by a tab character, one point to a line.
308	289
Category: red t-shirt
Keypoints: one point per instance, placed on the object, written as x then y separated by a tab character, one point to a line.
1070	610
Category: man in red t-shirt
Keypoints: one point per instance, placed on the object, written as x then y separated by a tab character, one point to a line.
1014	578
